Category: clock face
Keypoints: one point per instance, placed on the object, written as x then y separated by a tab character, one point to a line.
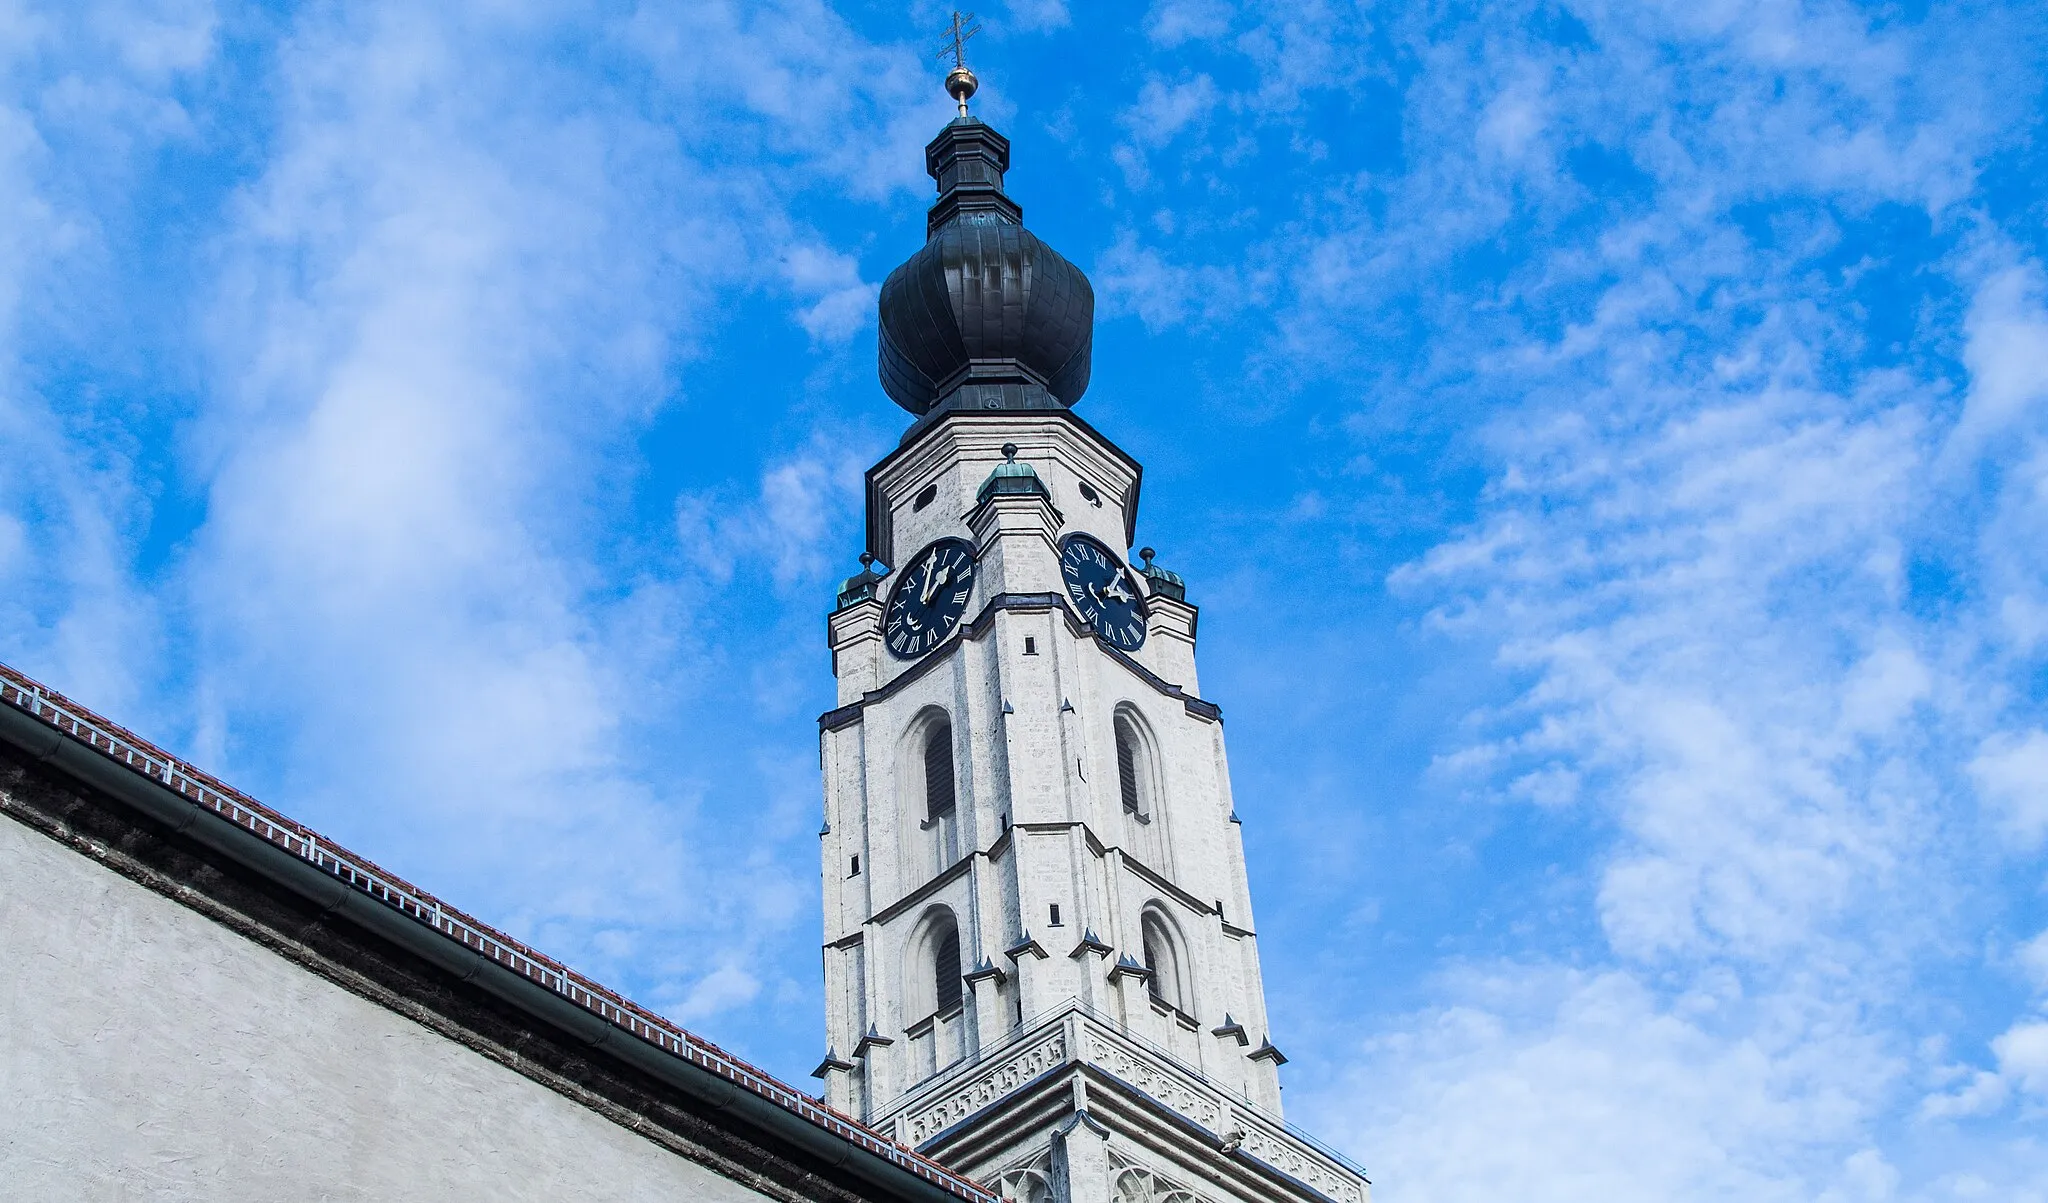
929	597
1103	591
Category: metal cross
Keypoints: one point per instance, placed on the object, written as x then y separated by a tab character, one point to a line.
955	43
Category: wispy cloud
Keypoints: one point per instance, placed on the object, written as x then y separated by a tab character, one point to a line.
1629	418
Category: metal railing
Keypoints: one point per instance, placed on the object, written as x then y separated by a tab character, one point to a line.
126	748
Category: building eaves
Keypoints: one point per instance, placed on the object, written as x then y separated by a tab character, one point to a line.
81	744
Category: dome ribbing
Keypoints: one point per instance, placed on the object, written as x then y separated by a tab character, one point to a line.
985	316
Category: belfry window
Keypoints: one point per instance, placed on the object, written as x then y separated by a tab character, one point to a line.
1138	788
1162	957
931	794
1155	959
938	772
1127	766
935	995
946	969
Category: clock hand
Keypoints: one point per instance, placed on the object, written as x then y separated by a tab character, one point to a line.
924	592
932	581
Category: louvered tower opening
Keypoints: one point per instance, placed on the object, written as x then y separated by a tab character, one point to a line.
946	969
1127	766
938	773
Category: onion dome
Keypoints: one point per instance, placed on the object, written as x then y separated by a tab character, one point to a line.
1163	582
1011	477
985	316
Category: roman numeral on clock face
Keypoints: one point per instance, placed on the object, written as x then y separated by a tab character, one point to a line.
1101	591
929	597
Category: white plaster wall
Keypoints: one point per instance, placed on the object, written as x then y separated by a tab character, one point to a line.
148	1053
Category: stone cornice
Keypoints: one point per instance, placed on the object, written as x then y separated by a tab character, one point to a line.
1044	1054
923	893
1158	881
983	623
923	453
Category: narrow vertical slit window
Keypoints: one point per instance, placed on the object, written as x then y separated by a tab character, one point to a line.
1055	914
856	868
946	969
1155	960
938	772
1030	645
1127	767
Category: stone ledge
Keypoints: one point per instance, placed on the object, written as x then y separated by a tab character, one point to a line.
1074	1036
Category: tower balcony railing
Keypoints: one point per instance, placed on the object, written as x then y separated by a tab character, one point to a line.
1071	1032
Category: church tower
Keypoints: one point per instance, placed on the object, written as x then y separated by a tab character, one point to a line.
1040	962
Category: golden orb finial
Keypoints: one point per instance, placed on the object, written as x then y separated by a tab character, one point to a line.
960	84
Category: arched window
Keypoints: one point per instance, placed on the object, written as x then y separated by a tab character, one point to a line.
1127	764
946	969
938	772
1162	957
934	994
930	793
1139	790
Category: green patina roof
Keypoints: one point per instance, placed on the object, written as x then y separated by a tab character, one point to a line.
1011	477
1165	582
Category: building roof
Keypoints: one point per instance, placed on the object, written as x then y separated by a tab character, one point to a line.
58	731
985	315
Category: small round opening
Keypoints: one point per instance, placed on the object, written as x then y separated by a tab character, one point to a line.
1089	495
926	497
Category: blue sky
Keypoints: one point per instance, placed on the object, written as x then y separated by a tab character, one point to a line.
1609	443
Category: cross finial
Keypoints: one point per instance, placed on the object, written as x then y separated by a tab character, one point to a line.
960	82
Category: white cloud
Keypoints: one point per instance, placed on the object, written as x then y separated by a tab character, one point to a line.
444	314
719	991
1556	1085
2007	354
1166	109
2023	1055
1643	580
1039	16
1135	279
1169	23
800	500
1981	1094
2011	772
86	106
2032	958
840	302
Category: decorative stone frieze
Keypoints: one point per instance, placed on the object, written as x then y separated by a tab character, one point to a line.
990	1084
1150	1074
1295	1159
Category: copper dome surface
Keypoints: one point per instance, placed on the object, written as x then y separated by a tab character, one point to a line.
985	315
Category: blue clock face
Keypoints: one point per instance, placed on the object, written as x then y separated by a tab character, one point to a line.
1103	591
929	597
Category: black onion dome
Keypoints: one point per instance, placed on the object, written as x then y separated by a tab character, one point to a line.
986	316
